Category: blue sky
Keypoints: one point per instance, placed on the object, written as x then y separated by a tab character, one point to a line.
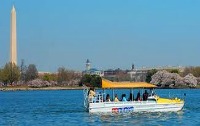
110	33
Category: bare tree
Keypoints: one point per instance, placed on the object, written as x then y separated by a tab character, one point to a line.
23	69
31	72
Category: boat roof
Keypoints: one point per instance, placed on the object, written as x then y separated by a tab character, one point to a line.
110	84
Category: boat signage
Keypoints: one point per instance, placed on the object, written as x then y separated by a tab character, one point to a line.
122	110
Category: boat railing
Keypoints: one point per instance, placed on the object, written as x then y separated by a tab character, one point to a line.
85	94
99	97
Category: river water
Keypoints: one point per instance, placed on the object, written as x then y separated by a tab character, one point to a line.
65	107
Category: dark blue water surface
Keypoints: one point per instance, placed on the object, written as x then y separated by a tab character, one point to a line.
65	107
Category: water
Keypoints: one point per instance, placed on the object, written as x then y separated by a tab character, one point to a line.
65	107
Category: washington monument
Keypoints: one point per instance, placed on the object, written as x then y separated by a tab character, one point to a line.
13	37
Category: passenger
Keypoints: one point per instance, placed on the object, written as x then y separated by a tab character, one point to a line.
151	92
124	97
107	98
138	97
145	95
116	98
131	97
91	94
99	97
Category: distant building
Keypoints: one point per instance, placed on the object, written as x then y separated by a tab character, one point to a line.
116	75
92	71
41	73
110	73
140	74
88	64
137	75
133	67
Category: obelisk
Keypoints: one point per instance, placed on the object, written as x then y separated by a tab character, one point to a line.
13	37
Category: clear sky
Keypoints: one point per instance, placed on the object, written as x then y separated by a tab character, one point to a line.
110	33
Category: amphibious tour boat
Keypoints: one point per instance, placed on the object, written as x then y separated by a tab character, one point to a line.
96	102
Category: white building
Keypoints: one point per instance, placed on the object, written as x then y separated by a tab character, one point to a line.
92	71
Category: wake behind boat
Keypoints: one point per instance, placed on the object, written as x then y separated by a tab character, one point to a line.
96	102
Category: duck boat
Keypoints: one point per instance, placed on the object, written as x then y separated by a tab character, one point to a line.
153	103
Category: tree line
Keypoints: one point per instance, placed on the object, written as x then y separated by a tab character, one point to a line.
193	70
11	74
187	70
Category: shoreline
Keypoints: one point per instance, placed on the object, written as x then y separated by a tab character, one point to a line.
39	88
26	88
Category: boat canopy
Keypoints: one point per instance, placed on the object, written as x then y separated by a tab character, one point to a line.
110	84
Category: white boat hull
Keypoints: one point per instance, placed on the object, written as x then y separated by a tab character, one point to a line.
133	106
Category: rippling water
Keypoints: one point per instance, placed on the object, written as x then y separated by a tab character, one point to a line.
65	107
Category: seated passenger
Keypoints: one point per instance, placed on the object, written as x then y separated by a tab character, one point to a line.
138	97
131	97
124	97
107	98
99	97
145	95
151	92
116	98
